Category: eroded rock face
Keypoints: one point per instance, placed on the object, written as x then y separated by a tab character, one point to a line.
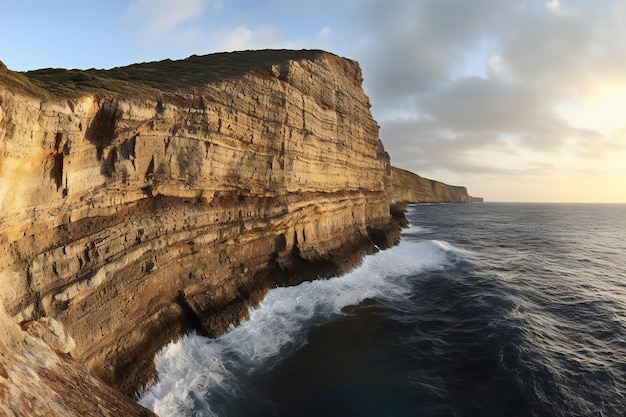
130	220
411	188
36	380
52	332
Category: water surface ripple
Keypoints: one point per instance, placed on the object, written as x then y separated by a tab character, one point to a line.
482	310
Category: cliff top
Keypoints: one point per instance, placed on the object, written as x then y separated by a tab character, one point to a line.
146	78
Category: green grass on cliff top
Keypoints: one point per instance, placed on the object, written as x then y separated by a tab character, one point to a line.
146	78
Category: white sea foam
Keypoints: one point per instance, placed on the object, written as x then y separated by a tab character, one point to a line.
415	230
195	368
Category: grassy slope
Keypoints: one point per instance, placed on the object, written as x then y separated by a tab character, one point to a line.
145	78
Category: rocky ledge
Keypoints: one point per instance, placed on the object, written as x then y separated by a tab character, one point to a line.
140	202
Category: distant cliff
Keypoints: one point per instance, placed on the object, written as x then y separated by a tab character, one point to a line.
411	188
143	201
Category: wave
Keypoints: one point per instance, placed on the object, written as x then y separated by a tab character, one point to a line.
196	370
414	229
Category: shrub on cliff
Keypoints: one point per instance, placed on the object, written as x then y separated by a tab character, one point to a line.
3	68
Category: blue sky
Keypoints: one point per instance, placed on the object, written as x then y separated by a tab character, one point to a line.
519	100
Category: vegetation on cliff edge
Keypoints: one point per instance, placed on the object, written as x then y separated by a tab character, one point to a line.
146	78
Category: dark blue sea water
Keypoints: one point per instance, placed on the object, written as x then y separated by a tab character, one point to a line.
482	310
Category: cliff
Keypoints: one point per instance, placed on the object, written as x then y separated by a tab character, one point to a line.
36	380
411	188
143	201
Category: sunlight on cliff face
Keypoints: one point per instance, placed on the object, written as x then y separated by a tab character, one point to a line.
15	178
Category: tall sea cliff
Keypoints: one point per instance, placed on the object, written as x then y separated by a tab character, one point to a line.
140	202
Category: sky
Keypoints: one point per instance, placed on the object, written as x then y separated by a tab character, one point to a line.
518	100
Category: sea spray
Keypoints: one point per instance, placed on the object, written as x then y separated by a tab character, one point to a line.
200	375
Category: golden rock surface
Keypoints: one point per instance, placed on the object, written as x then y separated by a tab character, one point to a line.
131	218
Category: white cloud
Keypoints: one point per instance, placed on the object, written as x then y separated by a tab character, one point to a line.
324	39
498	67
554	6
242	38
150	20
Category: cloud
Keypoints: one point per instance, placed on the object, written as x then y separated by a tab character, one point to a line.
424	145
553	50
413	45
151	20
460	88
267	36
467	89
180	28
241	38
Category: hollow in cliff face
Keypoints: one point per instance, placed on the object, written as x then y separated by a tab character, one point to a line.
177	208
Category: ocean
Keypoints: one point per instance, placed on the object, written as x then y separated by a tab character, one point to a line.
491	309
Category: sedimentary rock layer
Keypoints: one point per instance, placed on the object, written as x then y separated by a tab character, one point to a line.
411	188
130	219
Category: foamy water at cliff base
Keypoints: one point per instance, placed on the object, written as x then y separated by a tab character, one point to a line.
482	310
200	376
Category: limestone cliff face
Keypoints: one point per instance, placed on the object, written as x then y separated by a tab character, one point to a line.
131	218
411	188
